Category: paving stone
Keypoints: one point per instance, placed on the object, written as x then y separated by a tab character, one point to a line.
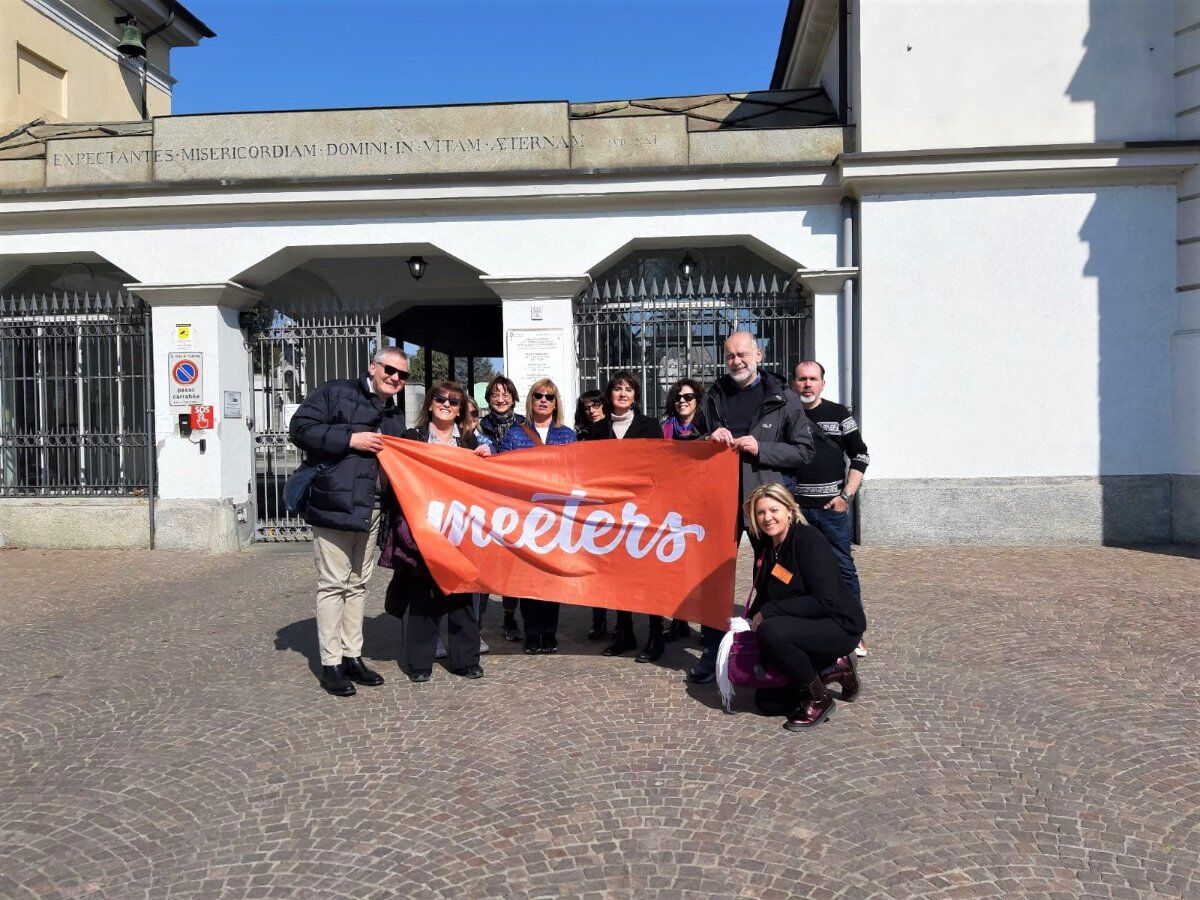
1027	727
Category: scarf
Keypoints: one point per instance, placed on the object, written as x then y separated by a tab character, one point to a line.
502	423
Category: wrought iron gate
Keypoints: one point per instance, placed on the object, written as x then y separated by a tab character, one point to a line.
673	330
76	396
290	355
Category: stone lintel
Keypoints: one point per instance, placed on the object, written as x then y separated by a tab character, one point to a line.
225	293
629	142
538	288
85	162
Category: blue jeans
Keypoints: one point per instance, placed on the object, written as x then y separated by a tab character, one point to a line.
836	528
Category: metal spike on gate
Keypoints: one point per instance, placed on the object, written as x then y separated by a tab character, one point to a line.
690	292
595	292
642	287
737	284
678	287
607	290
774	284
762	284
654	286
617	294
632	292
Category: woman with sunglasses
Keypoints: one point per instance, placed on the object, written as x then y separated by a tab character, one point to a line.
624	421
590	409
683	400
544	428
442	421
502	399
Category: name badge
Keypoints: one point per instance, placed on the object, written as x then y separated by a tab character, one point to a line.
782	574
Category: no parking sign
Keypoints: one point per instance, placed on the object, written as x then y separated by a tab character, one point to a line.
186	378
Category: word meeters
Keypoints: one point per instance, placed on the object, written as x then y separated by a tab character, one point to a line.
558	525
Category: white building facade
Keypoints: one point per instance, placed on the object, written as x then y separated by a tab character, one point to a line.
979	216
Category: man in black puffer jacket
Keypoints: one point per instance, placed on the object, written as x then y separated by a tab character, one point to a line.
752	411
338	426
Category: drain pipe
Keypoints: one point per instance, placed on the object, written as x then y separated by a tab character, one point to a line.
846	349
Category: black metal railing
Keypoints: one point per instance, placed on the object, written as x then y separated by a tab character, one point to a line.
666	331
76	396
292	354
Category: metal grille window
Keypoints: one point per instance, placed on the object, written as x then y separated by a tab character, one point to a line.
75	396
667	331
291	356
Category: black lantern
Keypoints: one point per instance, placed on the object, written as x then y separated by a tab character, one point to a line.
687	266
416	267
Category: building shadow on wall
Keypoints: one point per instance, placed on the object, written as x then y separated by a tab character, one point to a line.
1130	235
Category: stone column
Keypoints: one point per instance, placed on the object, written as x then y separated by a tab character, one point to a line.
205	494
539	332
828	328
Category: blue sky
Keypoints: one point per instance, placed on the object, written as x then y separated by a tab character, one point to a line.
298	54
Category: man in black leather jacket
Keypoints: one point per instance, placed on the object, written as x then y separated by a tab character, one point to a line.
338	426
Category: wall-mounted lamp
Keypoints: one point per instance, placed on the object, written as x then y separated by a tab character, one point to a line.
416	267
687	266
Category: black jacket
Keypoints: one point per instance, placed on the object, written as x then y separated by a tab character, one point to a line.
784	434
815	589
343	494
640	427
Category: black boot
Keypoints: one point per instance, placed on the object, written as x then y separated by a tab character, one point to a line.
334	680
599	625
679	629
622	642
511	631
357	671
655	646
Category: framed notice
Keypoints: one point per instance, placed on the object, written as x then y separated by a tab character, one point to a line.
533	353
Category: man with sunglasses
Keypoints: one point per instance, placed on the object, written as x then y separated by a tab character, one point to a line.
338	426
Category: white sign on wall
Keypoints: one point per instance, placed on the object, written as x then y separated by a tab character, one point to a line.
535	353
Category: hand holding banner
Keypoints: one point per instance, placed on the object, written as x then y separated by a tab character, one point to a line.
640	525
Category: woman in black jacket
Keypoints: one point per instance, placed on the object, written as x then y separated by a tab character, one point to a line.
441	422
624	420
807	623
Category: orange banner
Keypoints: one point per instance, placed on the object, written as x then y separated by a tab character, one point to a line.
645	526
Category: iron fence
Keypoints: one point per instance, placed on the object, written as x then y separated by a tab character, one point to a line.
291	354
76	396
664	332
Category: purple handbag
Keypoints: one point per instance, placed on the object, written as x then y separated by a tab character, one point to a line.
739	662
745	668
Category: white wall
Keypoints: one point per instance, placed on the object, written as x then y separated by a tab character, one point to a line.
983	73
1187	337
1018	334
503	245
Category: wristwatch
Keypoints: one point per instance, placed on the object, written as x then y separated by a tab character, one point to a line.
846	497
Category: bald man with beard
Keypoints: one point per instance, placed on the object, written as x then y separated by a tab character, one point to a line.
752	411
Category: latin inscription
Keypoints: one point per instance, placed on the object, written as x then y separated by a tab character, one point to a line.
327	149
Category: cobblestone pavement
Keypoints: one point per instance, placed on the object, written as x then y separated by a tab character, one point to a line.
1029	726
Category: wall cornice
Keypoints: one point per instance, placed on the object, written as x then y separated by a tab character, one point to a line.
1001	168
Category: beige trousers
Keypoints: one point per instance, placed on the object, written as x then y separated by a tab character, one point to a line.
345	561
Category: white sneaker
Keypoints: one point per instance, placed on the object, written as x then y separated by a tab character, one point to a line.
861	650
483	647
440	652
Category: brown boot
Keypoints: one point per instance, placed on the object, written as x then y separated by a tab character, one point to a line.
844	672
816	709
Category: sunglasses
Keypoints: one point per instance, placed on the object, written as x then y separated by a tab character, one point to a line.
537	395
392	372
685	398
446	398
